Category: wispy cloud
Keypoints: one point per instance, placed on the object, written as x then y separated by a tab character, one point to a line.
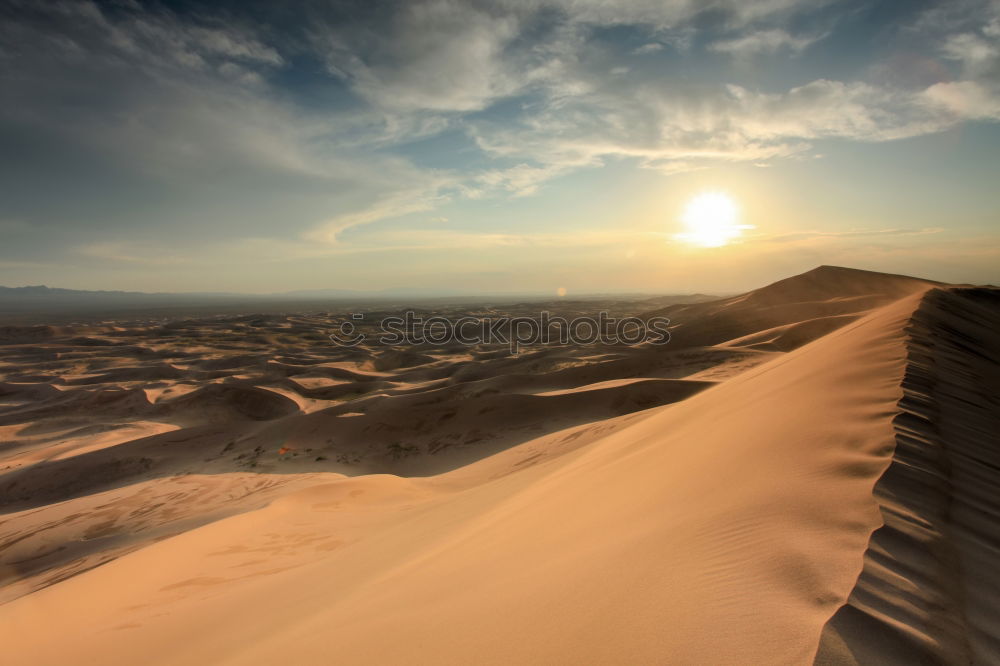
765	41
812	235
645	49
130	253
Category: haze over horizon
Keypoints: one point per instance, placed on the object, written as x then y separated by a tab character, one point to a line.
521	146
37	294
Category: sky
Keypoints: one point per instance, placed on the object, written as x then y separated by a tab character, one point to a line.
511	145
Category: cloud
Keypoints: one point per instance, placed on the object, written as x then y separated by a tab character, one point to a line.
965	99
167	129
451	56
427	239
390	205
130	253
437	55
645	49
521	180
972	50
966	32
665	14
825	108
689	127
765	42
811	235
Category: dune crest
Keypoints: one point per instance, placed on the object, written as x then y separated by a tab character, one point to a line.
928	592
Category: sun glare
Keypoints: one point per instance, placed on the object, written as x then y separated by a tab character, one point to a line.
711	219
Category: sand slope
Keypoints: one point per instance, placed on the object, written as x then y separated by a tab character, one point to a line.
791	312
930	589
726	529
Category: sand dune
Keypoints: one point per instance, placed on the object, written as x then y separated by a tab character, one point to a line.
806	476
222	401
827	292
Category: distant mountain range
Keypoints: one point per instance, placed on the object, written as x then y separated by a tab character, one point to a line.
43	295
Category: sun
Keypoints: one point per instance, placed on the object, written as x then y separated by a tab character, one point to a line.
711	219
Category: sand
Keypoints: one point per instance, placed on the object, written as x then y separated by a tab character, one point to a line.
734	499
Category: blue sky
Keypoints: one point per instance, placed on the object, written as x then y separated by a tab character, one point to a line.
509	145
